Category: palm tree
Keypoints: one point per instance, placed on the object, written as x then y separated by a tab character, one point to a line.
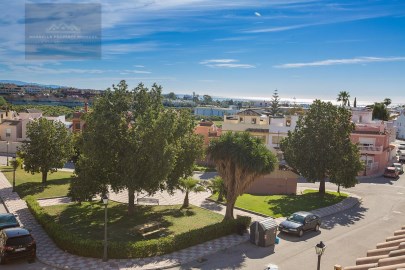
343	97
387	102
216	185
187	185
240	159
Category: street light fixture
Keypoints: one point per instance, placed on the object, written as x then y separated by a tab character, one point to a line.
105	202
7	151
319	249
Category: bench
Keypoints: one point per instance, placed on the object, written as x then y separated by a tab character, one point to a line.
148	200
148	228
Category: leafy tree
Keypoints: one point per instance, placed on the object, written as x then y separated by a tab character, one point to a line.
207	99
275	104
3	102
171	95
240	159
140	139
188	185
49	147
380	112
387	102
216	185
343	96
320	145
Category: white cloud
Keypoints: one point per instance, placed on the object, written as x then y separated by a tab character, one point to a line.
258	14
225	63
347	61
139	66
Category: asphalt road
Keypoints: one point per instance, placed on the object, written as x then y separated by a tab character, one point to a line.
347	235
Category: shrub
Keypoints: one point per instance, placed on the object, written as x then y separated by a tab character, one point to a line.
94	248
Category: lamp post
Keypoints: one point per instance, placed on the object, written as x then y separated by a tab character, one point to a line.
7	151
365	165
319	249
15	165
105	202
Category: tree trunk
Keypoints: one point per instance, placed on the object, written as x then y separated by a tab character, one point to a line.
185	202
322	187
220	195
229	209
339	189
44	177
131	201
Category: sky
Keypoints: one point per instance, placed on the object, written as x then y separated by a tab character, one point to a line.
241	48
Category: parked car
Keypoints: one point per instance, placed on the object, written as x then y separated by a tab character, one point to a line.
399	167
16	243
401	154
391	172
299	222
8	220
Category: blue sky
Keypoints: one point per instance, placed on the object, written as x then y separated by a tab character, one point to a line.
240	48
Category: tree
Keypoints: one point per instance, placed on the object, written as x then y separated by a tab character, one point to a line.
216	185
207	99
171	95
49	146
188	185
343	96
355	103
380	112
387	102
240	159
3	102
275	104
320	145
141	141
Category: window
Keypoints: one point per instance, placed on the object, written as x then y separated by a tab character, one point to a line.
240	119
254	121
8	132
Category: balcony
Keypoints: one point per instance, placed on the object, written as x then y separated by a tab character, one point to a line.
370	149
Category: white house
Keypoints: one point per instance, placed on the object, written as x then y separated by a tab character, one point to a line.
400	124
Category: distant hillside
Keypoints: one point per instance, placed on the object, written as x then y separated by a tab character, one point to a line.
29	83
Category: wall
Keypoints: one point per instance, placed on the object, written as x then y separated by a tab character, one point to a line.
12	147
278	182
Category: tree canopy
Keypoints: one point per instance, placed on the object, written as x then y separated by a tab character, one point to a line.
320	146
49	146
275	104
380	112
240	159
132	142
343	96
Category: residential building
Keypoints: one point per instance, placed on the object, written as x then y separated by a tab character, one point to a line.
215	111
374	139
208	130
400	124
78	123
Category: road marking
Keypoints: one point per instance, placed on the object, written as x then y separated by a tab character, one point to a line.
400	193
396	212
386	218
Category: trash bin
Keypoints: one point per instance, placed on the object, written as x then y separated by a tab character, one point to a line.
263	232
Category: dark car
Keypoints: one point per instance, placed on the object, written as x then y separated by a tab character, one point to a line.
16	243
391	172
8	220
299	222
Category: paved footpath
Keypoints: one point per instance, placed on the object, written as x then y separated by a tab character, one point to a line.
50	254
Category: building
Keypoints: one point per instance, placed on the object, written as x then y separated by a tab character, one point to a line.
78	123
215	111
374	139
208	130
400	125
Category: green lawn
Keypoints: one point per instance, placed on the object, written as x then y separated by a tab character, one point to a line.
30	184
87	220
285	205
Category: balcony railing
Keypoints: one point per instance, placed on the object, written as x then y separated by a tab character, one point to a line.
371	148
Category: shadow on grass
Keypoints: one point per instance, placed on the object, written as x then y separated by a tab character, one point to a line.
287	205
87	220
34	188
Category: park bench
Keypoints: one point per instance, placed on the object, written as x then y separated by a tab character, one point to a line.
148	228
148	201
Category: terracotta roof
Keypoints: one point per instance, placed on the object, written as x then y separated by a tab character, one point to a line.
389	255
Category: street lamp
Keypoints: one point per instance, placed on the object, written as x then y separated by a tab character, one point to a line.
14	163
319	249
365	167
105	202
7	151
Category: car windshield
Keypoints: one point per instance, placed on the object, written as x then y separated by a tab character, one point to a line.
389	171
7	219
296	218
19	241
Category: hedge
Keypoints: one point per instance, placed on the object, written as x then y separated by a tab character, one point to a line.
75	244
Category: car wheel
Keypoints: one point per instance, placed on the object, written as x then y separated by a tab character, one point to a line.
316	228
300	233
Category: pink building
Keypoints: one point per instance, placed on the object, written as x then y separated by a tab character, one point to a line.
374	141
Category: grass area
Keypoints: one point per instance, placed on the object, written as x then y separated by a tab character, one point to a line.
87	220
218	123
30	184
285	205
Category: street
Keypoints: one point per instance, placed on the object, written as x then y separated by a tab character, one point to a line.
347	235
